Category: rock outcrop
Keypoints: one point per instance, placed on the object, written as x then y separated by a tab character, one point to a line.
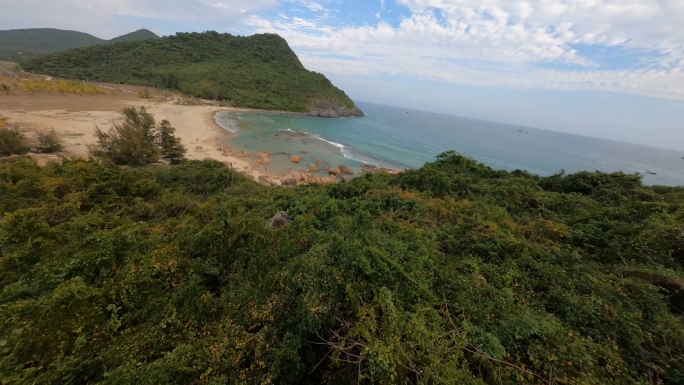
333	109
282	218
345	170
295	158
333	171
313	168
267	181
289	182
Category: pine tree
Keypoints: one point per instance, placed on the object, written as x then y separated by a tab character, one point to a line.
171	147
132	142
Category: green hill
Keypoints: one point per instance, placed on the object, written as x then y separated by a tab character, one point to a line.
259	71
139	35
454	273
24	44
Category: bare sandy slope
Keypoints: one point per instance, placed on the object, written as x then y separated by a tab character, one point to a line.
75	117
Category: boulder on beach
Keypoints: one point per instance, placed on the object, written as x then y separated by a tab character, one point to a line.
313	168
226	150
199	148
318	161
295	158
333	171
264	161
262	155
324	180
267	152
345	169
304	152
366	171
266	180
289	182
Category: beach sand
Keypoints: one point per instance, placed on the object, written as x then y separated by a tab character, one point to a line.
75	117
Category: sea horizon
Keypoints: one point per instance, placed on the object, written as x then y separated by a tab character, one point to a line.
397	137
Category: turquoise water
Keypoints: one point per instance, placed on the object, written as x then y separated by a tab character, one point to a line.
398	138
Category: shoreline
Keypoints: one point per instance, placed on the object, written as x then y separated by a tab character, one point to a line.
75	117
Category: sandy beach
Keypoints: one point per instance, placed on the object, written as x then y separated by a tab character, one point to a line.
76	116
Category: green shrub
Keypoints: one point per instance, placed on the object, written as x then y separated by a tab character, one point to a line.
144	94
137	140
49	142
12	142
454	273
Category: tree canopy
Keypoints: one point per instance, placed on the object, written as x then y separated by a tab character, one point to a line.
259	71
453	273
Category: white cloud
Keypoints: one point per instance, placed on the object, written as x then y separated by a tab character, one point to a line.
510	43
99	17
514	43
315	7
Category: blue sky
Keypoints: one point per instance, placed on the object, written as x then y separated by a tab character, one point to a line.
604	68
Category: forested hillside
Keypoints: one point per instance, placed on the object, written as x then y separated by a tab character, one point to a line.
259	71
450	274
24	44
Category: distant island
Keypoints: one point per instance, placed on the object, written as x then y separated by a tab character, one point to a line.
259	71
18	45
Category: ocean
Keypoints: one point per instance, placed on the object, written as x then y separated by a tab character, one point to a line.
399	138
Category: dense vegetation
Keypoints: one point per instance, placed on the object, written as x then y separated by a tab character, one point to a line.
24	44
451	274
259	71
13	141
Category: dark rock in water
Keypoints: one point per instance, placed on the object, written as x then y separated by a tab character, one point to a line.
279	220
333	109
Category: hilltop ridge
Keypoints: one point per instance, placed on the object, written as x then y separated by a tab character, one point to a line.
259	71
24	44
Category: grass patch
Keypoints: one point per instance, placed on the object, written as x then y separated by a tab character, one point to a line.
62	86
8	65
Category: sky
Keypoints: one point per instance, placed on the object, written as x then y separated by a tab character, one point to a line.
605	68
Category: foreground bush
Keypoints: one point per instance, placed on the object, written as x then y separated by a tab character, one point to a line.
451	274
12	142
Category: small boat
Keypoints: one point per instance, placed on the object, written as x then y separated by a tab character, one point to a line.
651	173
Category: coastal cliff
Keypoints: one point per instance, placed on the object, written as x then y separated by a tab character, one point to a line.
333	109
